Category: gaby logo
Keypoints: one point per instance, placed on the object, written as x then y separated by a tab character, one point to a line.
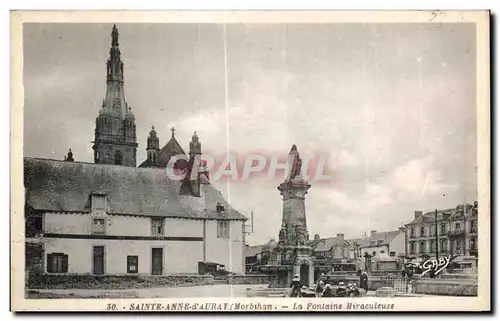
437	265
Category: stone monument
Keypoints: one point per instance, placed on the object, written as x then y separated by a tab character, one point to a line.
294	255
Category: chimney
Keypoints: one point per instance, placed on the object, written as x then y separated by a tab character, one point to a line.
220	208
316	237
341	237
418	214
372	232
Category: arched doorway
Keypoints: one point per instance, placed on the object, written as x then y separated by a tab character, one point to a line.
304	274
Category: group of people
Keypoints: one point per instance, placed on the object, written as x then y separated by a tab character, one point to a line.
323	290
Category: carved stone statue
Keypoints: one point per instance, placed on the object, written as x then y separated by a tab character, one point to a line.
296	163
301	233
292	236
281	237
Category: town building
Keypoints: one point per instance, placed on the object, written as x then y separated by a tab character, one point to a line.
453	231
329	249
378	244
113	218
379	252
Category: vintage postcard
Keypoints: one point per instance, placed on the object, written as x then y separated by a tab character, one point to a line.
250	161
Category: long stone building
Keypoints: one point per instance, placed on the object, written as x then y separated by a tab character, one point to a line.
111	217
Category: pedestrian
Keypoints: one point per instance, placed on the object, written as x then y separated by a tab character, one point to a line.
363	281
328	293
309	293
341	290
319	288
296	286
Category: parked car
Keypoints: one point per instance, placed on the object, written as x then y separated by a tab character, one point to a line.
215	269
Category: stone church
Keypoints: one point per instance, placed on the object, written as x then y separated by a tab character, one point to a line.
112	217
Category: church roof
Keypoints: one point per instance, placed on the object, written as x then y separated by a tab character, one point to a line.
53	185
170	149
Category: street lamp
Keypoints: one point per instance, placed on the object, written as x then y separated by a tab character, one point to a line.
437	235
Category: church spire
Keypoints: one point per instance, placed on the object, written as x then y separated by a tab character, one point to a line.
115	64
115	133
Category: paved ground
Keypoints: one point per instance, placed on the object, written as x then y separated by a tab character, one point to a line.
221	290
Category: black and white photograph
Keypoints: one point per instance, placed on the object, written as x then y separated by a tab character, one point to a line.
330	165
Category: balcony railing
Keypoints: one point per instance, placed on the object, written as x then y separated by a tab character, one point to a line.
457	232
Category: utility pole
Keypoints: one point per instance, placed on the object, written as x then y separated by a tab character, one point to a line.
437	235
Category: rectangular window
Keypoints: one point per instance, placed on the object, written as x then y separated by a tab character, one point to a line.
98	226
98	202
422	231
157	226
443	246
412	248
223	229
473	227
443	229
34	226
473	244
132	264
433	246
57	263
422	247
412	232
457	226
392	253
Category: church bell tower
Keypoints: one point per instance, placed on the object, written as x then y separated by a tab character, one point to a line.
115	132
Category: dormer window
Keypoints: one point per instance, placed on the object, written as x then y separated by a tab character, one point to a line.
219	208
98	202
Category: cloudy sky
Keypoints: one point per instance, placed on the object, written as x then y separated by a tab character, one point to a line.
391	106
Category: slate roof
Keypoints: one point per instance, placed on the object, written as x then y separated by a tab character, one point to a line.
253	250
170	149
53	185
323	245
385	237
451	213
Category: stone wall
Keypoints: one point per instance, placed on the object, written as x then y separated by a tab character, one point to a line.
445	287
72	281
374	282
251	279
456	287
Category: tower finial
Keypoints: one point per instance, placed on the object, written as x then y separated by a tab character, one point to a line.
114	36
172	130
69	157
195	145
